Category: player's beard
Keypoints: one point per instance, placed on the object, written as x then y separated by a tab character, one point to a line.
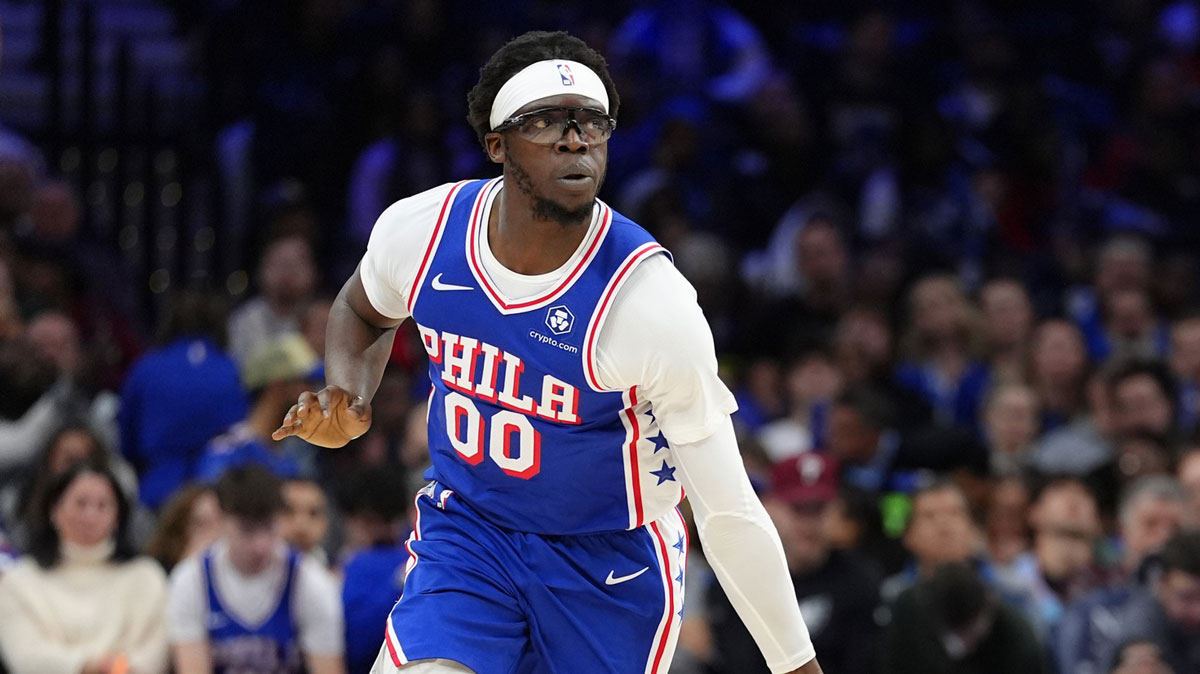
547	209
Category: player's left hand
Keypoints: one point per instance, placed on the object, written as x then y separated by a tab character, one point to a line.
330	417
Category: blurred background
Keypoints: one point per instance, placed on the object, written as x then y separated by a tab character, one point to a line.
948	251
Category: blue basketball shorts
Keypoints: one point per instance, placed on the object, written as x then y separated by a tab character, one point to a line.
506	602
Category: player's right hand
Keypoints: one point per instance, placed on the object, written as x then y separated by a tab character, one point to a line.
330	417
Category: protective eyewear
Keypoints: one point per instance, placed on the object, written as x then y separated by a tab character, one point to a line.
547	126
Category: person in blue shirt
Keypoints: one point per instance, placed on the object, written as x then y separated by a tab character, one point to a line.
178	396
376	515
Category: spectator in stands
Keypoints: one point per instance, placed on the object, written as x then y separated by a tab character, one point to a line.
1010	422
179	395
875	456
249	603
1151	511
855	524
187	524
1086	443
811	381
1058	371
82	602
1062	565
287	278
951	623
939	531
838	590
376	514
1006	314
1122	264
305	520
276	374
939	352
34	405
1143	398
1166	613
71	443
1006	521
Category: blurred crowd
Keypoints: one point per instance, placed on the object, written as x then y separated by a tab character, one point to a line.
947	250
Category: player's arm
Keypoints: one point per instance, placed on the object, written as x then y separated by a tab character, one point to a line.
358	341
743	549
657	338
192	658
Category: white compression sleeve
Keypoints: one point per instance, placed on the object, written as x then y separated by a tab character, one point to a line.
743	548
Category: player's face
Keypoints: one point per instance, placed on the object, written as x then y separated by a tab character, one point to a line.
562	178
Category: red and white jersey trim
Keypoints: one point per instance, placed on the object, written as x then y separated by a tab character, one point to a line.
590	368
476	238
664	533
435	238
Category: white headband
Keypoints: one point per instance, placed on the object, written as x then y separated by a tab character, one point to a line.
546	78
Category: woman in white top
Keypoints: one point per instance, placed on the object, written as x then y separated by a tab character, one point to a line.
81	602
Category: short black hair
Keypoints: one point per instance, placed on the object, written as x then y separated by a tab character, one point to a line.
873	406
250	492
1182	553
525	50
955	595
44	544
1153	368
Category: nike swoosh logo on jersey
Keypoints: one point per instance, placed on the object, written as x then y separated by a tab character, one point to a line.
438	285
614	581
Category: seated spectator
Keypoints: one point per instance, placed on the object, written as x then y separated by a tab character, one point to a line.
178	396
1010	423
1006	521
855	524
939	361
275	375
82	602
1143	399
69	444
249	603
1083	445
376	515
1006	314
1166	613
188	523
838	590
1062	565
305	520
875	456
939	531
1151	511
810	382
287	278
950	623
1058	371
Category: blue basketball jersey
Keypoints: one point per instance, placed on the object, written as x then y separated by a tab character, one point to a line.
271	647
519	425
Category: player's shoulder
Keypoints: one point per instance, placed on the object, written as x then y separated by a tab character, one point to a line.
413	214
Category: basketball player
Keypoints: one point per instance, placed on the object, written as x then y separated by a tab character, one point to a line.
575	396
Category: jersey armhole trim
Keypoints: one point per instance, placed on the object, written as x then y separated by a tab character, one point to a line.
600	315
435	239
